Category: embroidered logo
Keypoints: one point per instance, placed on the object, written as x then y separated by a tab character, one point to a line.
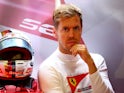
84	89
75	80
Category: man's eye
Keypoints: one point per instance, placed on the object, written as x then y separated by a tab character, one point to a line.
76	28
65	29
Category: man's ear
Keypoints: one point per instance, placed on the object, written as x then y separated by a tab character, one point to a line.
54	32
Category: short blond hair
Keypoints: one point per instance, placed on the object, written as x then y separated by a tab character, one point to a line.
65	11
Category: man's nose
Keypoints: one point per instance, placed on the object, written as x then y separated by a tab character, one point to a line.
71	33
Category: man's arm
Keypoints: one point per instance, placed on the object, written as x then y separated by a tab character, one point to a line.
98	74
100	80
84	54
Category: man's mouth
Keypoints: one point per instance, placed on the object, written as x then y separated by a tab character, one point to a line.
71	42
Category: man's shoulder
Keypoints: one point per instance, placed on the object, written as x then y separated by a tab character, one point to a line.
98	60
49	61
97	56
51	58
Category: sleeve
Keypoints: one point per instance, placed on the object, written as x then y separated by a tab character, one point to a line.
99	80
49	80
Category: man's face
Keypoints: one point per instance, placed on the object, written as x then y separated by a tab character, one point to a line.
68	33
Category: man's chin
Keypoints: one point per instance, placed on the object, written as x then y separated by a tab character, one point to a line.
68	48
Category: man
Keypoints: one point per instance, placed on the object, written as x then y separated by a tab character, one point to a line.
71	68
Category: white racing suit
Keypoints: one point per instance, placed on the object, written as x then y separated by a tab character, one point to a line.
63	73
